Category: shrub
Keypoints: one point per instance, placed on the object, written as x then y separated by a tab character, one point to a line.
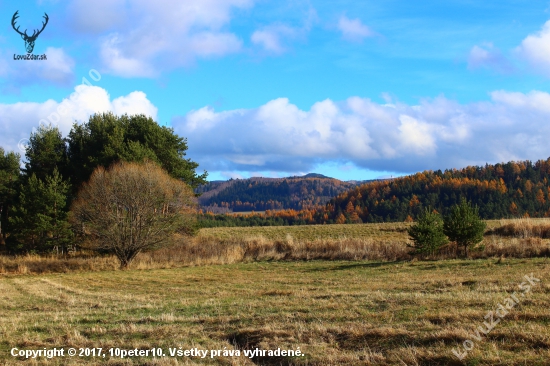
132	208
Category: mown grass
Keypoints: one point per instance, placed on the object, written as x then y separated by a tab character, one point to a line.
337	312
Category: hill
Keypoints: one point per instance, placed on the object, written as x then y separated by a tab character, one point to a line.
512	189
260	194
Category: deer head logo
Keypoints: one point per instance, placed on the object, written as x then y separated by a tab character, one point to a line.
29	40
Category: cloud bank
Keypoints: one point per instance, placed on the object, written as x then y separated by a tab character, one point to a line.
435	134
18	120
279	136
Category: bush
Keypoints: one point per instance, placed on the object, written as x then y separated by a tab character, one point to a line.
132	208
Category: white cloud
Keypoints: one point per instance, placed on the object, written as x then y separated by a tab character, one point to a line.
134	103
276	38
147	37
416	136
533	101
269	40
18	120
435	134
535	48
273	37
121	65
487	56
353	29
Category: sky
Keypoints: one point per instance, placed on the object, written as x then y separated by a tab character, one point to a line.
351	89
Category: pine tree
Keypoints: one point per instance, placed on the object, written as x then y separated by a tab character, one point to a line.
39	220
427	234
45	153
55	214
464	226
9	176
106	139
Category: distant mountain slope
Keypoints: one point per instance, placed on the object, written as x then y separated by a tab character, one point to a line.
502	190
260	194
315	175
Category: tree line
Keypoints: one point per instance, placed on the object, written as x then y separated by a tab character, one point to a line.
36	194
513	189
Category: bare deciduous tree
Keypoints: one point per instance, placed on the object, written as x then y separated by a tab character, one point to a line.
131	208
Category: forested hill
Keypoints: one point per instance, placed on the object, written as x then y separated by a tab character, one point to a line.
502	190
260	194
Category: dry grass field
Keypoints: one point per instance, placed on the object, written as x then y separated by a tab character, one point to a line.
519	238
345	295
337	312
392	231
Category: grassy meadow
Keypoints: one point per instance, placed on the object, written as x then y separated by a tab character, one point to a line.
337	312
390	231
345	295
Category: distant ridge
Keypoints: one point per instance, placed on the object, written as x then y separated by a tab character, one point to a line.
260	194
316	175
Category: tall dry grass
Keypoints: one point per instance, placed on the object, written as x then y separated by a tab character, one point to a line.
517	238
36	264
206	250
523	228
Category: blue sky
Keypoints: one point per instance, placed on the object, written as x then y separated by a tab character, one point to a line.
350	89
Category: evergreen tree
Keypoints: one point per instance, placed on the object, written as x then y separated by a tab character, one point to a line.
107	138
39	220
427	233
55	215
46	152
464	226
9	177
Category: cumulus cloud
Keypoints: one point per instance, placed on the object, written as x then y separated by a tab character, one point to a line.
18	120
535	48
353	29
487	56
146	37
436	133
